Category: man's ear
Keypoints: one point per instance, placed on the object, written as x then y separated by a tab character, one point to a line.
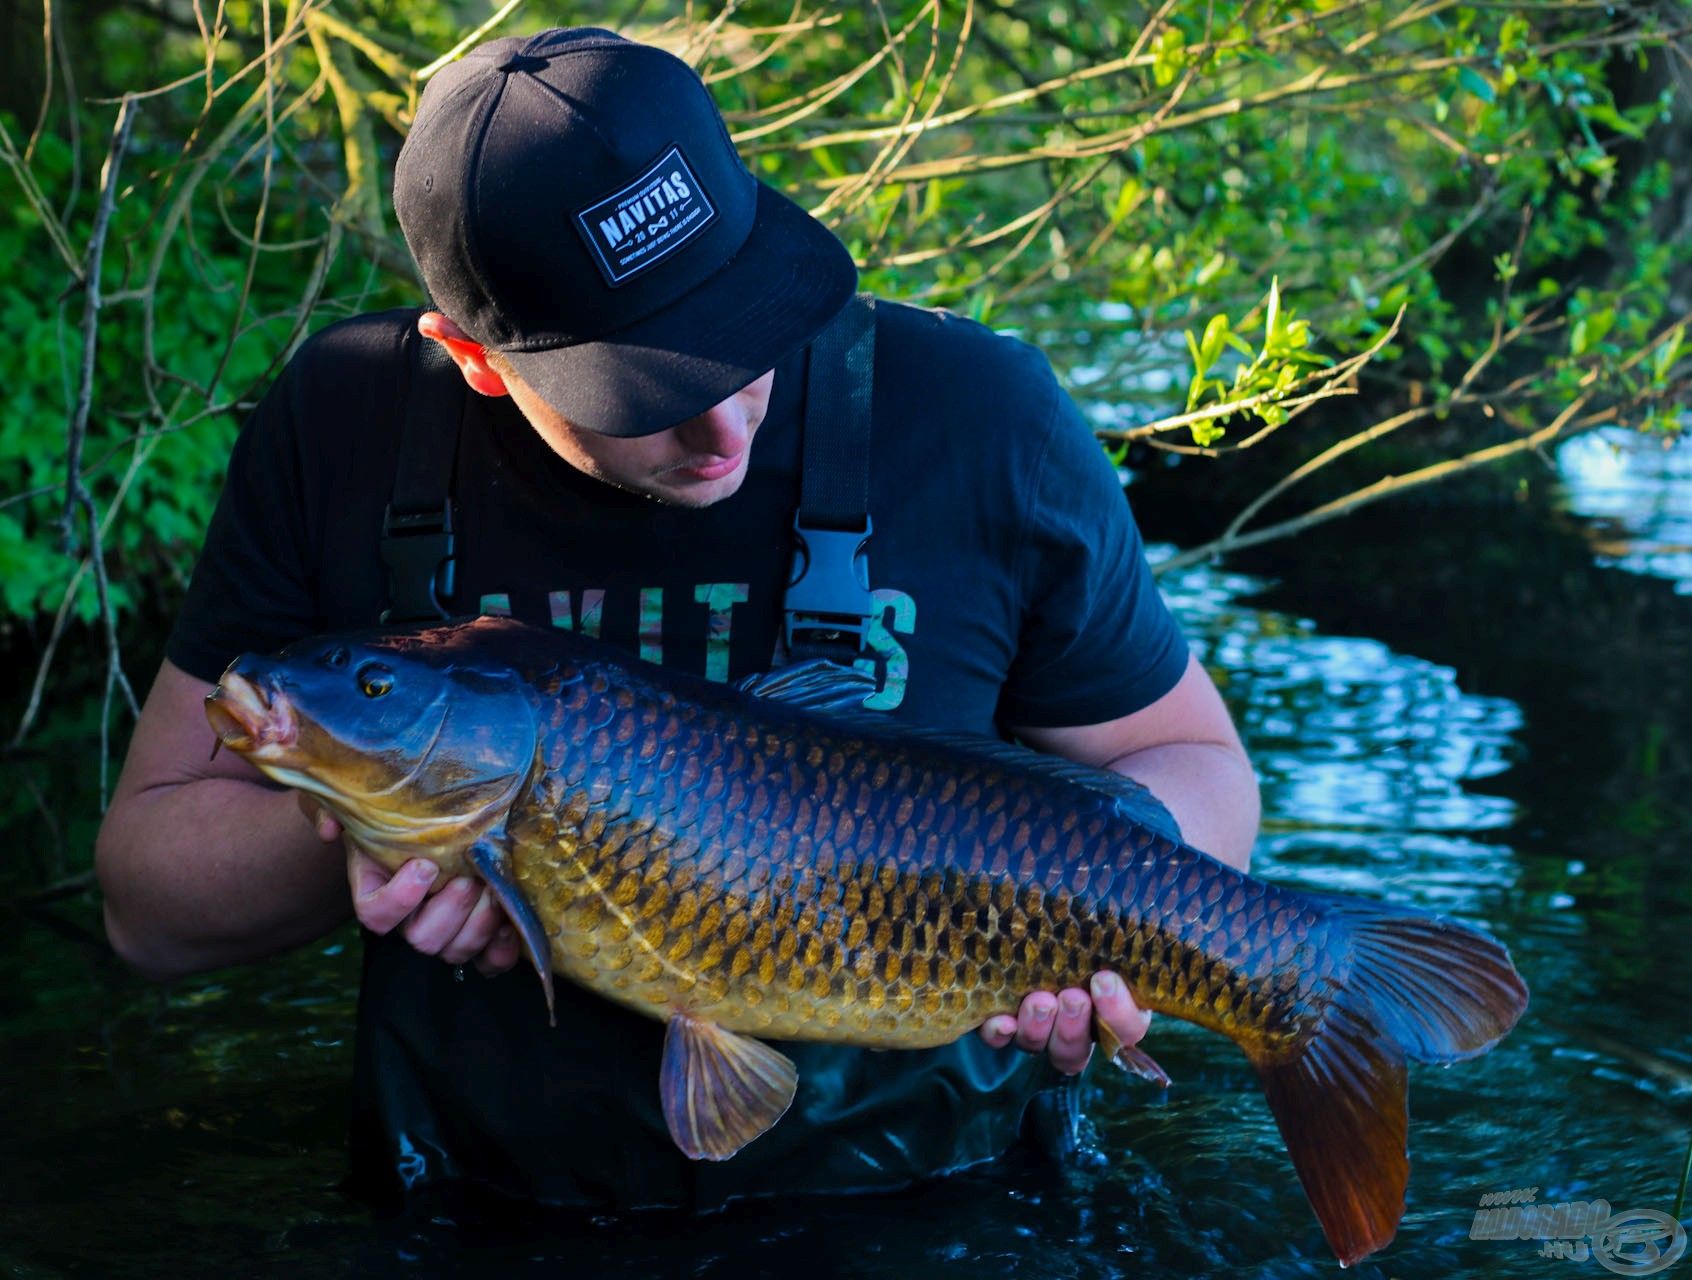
470	356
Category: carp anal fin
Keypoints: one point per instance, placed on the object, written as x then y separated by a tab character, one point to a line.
720	1089
1130	1058
490	860
1419	988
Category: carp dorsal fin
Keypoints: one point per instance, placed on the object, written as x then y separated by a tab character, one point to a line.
491	863
816	685
720	1089
837	692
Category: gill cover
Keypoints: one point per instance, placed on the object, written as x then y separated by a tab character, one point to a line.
417	750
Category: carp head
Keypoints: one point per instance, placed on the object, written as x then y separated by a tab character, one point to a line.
417	753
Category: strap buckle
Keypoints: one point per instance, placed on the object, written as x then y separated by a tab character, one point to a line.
828	597
417	548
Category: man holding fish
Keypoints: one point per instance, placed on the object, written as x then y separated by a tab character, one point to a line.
632	310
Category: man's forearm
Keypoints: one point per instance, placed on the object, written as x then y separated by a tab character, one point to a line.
1210	791
214	872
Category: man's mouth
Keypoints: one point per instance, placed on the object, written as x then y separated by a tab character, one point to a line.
709	468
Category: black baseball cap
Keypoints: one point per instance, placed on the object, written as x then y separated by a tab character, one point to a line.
574	201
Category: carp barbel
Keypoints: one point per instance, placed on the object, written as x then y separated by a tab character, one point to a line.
764	860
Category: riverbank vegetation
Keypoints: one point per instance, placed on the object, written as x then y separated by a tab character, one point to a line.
1439	235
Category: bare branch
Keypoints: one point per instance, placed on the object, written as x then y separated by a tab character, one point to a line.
74	491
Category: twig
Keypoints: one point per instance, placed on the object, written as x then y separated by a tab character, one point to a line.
39	685
457	51
826	93
74	491
55	867
46	80
783	35
65	888
270	77
32	193
1328	380
1387	487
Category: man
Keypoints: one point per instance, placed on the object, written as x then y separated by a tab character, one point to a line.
632	310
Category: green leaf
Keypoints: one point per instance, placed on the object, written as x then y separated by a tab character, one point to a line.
1215	334
1612	119
1668	351
822	157
1210	270
1125	198
1207	433
1169	56
933	200
1476	84
1193	350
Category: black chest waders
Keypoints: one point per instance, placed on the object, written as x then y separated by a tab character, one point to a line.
861	1124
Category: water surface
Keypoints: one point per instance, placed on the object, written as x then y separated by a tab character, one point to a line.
196	1131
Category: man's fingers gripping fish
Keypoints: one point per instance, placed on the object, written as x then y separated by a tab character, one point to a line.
746	862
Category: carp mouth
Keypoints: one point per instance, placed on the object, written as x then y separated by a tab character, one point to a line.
246	720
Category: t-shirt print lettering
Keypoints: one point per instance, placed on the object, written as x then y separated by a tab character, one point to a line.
583	611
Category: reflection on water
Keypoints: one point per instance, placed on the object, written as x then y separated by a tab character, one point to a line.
1639	494
198	1133
1345	733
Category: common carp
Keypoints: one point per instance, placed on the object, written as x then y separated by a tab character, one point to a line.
770	860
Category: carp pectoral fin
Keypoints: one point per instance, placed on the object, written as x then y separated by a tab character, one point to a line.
720	1089
1131	1058
490	860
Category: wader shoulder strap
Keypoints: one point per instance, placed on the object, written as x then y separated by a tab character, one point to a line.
417	528
828	604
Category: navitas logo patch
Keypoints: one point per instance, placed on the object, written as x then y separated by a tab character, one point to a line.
648	220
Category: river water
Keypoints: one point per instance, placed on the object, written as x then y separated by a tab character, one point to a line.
1519	761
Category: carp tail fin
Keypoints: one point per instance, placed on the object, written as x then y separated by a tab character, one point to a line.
1339	1102
1419	988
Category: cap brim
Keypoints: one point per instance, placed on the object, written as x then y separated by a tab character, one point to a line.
790	278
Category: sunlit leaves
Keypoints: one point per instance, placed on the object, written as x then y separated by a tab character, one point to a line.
1170	50
1343	155
1261	376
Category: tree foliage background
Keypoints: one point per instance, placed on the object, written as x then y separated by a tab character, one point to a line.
1214	216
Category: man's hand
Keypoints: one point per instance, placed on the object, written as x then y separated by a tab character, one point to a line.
457	921
1062	1025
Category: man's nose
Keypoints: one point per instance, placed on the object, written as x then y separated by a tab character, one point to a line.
721	429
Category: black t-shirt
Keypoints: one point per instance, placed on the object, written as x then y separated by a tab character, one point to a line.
1013	592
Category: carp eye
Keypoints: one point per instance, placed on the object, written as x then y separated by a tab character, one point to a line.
375	680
